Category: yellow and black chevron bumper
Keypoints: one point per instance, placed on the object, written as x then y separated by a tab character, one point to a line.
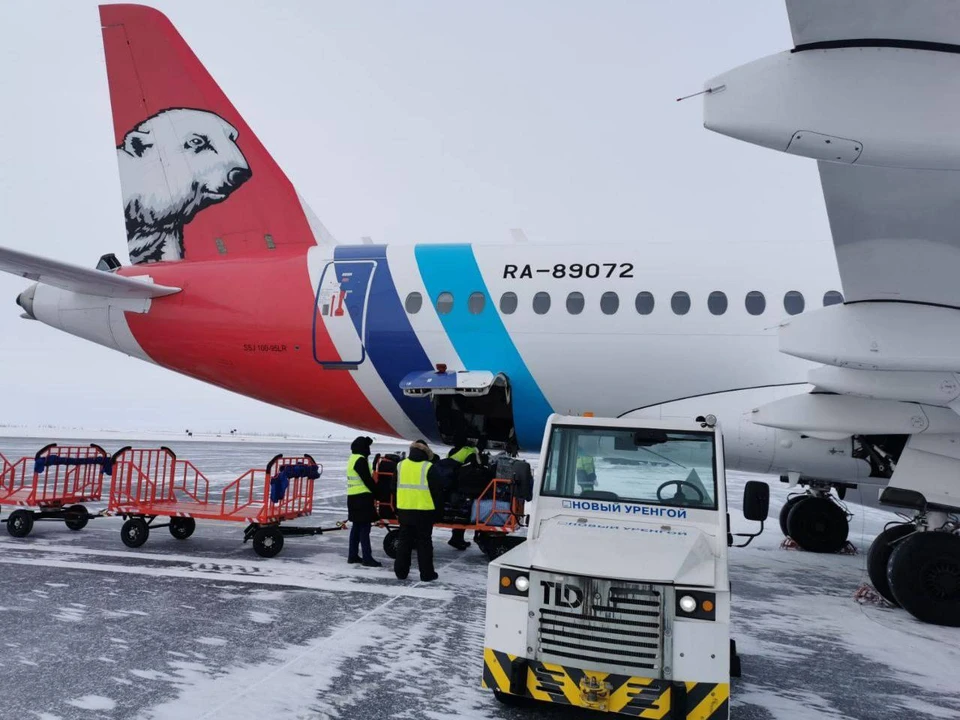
606	692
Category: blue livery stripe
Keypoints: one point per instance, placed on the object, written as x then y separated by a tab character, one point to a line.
391	344
482	340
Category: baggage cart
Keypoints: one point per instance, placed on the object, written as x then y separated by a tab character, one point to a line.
153	483
52	485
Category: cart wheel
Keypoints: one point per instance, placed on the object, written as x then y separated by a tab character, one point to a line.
20	523
182	527
77	517
496	546
483	542
390	541
134	532
268	541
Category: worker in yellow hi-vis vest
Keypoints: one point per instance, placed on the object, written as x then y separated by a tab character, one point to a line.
586	472
464	452
419	494
361	511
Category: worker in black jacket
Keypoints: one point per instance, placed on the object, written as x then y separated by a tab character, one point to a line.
361	511
465	453
419	496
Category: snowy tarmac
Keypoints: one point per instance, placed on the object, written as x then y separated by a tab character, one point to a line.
205	629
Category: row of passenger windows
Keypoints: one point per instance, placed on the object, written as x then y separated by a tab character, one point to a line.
755	302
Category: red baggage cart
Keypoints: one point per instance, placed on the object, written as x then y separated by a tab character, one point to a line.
493	514
153	483
52	484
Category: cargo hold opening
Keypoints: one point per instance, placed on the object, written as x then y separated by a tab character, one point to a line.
475	402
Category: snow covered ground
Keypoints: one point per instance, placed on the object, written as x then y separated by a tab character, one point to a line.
205	629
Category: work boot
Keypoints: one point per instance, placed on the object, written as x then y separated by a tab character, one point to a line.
353	560
371	563
458	544
428	578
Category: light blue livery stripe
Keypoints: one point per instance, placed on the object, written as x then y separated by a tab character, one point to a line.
482	340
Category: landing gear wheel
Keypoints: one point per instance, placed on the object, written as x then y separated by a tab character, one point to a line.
878	558
390	541
77	517
924	576
818	525
267	542
134	532
785	511
182	527
20	523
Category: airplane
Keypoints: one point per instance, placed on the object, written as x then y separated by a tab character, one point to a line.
234	281
866	92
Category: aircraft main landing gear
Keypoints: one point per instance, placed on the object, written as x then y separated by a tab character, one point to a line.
917	566
816	521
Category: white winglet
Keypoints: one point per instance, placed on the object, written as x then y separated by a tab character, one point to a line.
79	279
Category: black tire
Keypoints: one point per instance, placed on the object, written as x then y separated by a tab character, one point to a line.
878	558
134	532
20	523
785	511
182	527
77	517
924	576
496	546
268	542
511	700
483	542
390	541
818	525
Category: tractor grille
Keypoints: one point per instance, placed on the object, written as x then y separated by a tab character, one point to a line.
600	624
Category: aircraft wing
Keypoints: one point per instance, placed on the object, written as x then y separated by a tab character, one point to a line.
78	279
896	230
871	91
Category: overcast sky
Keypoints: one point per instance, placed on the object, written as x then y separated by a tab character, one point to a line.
405	121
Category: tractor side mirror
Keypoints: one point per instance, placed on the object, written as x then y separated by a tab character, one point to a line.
756	501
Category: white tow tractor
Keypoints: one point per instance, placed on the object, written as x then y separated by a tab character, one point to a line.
619	601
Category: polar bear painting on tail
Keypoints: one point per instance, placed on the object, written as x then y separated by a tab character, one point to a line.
173	165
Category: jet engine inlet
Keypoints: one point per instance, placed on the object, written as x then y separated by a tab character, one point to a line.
25	300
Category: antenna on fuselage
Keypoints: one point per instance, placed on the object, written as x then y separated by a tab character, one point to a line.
366	240
518	235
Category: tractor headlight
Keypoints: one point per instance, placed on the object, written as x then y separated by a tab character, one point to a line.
696	605
514	582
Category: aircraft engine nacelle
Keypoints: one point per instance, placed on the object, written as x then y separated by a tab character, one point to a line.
883	106
91	317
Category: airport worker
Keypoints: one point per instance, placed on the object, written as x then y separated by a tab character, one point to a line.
586	471
464	452
361	511
419	494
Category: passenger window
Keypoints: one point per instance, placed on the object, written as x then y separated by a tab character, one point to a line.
644	303
609	303
793	302
444	303
832	297
575	303
541	303
680	303
413	303
476	302
755	302
508	303
717	303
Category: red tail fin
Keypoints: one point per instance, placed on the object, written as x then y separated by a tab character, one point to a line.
197	184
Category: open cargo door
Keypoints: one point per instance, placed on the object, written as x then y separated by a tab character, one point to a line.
476	403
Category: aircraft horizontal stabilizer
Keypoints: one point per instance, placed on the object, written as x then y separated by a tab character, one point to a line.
78	279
